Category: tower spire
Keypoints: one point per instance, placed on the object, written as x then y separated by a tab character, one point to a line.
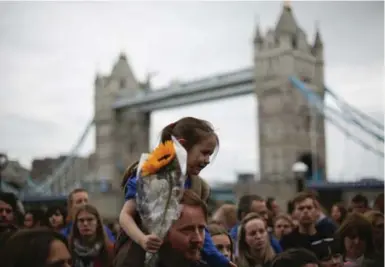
287	3
317	41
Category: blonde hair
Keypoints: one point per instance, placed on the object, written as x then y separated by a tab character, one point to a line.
227	215
373	215
216	229
284	217
245	257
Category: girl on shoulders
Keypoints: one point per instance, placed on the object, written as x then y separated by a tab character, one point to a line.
200	141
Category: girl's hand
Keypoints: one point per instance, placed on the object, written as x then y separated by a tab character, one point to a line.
151	243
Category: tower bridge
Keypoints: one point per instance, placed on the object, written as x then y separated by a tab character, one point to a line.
287	77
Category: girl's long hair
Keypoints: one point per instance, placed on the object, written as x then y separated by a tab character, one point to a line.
245	257
101	235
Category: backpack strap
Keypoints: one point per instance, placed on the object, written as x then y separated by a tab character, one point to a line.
200	187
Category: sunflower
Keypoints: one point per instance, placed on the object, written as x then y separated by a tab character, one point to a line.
159	158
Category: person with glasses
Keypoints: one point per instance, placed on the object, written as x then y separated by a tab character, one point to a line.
89	243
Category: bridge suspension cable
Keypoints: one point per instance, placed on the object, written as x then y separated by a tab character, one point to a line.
354	111
44	187
359	119
328	112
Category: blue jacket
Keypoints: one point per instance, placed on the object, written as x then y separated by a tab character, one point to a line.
67	229
210	254
273	241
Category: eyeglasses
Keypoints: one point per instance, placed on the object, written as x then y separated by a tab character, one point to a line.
84	220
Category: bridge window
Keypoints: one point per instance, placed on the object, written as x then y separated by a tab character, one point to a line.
122	84
294	42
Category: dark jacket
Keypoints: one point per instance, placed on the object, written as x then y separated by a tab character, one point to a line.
131	254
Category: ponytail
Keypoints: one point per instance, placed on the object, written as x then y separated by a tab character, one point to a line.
167	132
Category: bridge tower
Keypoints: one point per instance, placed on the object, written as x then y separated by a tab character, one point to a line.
120	136
288	128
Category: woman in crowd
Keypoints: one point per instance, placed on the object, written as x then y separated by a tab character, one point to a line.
36	248
338	213
55	218
221	240
254	248
356	237
282	225
34	218
88	241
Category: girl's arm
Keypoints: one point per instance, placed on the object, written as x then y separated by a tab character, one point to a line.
150	243
128	224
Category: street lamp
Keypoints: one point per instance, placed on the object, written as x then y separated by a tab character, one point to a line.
3	165
299	169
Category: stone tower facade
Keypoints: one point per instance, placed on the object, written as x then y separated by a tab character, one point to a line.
288	126
111	149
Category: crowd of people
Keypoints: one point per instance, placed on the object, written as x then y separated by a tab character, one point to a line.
255	232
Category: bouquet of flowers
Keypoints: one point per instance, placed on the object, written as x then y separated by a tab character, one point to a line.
161	177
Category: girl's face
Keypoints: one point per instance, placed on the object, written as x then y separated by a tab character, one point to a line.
87	224
56	220
336	214
355	246
256	234
199	155
282	227
223	244
28	220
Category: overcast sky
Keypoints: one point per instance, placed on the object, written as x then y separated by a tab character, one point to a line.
50	52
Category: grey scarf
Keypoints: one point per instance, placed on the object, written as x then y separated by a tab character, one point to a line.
84	255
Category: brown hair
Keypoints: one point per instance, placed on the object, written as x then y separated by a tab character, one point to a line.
245	257
284	217
190	198
190	130
29	247
100	233
303	196
217	229
343	211
227	215
356	224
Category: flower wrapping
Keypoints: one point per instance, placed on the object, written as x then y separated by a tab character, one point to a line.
161	178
